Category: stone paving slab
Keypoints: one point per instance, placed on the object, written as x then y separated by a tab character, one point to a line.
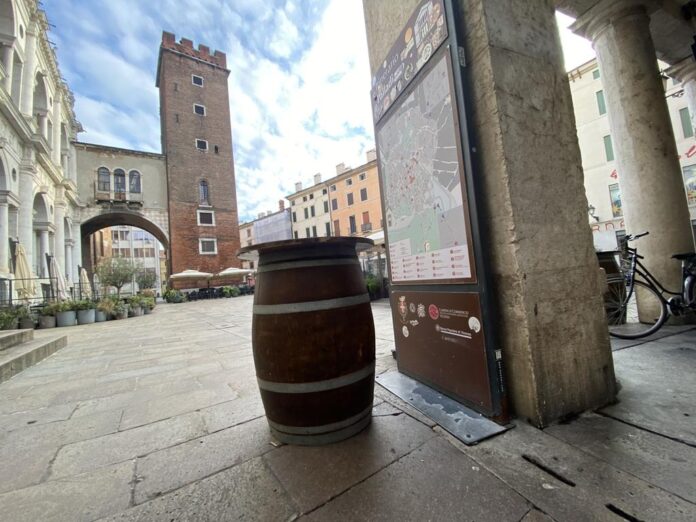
655	459
658	387
246	492
87	455
78	498
434	482
314	475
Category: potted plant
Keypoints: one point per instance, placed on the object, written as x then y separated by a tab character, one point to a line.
26	321
65	314
8	319
120	310
372	287
85	311
135	303
148	304
105	309
47	316
174	296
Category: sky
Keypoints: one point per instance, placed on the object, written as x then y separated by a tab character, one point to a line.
299	82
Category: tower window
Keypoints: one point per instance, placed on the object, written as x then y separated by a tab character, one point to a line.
207	246
206	218
216	149
201	144
203	193
199	109
197	80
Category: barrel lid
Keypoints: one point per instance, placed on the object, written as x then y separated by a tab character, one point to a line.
251	253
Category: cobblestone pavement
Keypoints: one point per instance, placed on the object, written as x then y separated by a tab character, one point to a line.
159	418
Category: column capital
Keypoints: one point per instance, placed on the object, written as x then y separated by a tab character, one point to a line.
684	71
593	22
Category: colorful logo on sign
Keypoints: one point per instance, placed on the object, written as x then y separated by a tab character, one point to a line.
433	312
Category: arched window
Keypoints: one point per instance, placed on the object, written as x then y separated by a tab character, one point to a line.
119	180
103	181
134	181
203	194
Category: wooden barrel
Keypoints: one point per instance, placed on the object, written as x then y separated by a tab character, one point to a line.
313	339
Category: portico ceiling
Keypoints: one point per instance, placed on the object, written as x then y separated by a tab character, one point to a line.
671	33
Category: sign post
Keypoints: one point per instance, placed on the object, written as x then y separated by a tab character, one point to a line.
444	323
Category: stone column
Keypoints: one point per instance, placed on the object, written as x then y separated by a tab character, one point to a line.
685	72
652	189
26	209
43	250
27	98
550	314
43	126
55	139
4	238
77	250
72	164
69	259
59	222
8	62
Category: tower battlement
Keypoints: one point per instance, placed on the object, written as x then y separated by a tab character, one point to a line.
185	46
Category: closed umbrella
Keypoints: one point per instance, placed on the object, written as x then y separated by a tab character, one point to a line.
61	285
85	286
191	274
233	271
24	283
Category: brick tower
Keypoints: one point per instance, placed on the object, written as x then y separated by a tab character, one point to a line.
197	142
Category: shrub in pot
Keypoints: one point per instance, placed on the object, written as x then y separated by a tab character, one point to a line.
26	321
47	316
8	319
148	304
65	314
135	303
120	310
85	311
174	296
105	309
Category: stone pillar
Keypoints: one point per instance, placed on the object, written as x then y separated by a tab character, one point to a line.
77	250
59	238
652	189
685	72
26	210
27	98
550	314
72	164
43	250
43	126
8	62
55	139
69	270
4	238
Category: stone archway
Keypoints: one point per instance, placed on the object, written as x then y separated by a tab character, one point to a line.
109	219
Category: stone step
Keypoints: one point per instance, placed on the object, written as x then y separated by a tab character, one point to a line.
10	338
17	358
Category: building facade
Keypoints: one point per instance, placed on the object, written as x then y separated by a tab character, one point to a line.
311	216
56	192
602	175
39	203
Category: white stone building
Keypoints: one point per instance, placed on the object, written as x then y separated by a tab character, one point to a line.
311	216
602	174
38	192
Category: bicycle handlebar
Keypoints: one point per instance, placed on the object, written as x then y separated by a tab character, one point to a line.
633	238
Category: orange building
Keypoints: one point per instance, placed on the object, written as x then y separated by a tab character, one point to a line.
354	199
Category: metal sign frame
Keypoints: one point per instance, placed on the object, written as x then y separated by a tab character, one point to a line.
470	173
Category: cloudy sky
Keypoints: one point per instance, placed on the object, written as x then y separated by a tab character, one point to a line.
299	83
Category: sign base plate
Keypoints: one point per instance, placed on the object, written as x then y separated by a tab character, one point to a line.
464	423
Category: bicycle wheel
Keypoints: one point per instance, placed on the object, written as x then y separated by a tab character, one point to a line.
642	314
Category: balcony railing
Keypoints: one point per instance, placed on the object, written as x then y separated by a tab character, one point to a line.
366	227
101	193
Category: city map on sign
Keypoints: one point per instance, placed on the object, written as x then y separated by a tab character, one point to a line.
420	165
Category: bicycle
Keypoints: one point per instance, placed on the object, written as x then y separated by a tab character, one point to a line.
635	303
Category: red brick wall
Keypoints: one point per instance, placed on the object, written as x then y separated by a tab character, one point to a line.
187	166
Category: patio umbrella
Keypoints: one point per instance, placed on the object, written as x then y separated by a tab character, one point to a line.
232	271
85	286
191	274
24	283
57	274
